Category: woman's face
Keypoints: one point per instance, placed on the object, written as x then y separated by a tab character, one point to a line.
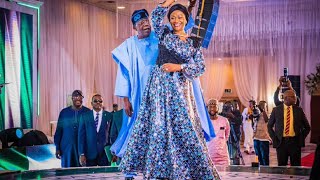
178	20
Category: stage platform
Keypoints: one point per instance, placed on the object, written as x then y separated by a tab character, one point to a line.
231	172
39	162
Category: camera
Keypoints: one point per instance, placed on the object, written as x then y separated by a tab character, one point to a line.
255	111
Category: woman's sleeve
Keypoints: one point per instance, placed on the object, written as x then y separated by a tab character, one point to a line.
195	68
157	17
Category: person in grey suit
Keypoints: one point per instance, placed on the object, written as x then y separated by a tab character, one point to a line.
288	127
94	134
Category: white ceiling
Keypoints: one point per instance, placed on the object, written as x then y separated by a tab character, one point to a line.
111	5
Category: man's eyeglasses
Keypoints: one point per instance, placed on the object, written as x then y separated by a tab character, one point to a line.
97	101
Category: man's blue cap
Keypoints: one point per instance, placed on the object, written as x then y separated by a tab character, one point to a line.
76	93
137	15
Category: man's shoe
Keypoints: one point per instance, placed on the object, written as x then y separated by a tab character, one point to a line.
246	151
128	178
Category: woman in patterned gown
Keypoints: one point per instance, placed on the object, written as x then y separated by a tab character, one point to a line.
167	140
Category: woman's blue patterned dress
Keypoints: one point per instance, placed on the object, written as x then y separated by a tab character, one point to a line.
167	139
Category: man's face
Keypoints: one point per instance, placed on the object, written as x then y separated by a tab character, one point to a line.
143	28
213	109
234	106
77	101
289	98
97	103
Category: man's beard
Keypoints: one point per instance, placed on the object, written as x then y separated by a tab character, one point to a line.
212	114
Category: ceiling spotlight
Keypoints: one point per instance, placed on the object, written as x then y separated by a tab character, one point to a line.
121	7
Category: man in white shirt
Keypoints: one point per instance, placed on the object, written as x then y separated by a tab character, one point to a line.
247	127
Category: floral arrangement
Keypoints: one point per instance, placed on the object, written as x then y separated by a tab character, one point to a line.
312	81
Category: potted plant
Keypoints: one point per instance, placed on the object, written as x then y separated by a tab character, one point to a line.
312	81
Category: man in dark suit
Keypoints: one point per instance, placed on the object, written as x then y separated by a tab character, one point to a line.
288	127
94	134
117	116
66	135
116	122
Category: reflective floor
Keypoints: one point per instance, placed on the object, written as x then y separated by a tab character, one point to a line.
232	172
44	168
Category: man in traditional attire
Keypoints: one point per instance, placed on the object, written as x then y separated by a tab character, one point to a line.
231	112
66	136
218	149
135	58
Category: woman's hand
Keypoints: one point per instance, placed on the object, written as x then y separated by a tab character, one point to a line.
170	67
191	5
167	3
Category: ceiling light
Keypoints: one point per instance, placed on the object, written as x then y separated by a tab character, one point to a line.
121	7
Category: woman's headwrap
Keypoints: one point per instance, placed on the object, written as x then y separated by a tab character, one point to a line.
181	8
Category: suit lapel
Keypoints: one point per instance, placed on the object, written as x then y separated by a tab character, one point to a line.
281	119
92	124
295	118
92	115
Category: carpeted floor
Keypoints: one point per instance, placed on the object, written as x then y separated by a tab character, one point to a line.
307	161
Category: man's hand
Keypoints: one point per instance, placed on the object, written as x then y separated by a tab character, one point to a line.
281	80
167	3
83	160
127	106
58	154
170	67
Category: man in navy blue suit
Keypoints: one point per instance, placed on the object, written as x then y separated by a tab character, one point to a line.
94	134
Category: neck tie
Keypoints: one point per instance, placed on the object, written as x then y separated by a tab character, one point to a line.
286	132
96	120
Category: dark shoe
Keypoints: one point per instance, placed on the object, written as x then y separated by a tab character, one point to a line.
246	151
128	178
